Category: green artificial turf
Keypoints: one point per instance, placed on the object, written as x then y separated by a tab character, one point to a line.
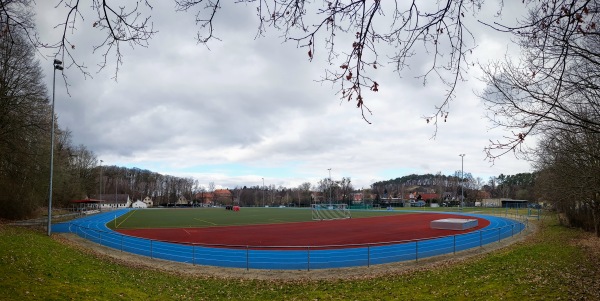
211	217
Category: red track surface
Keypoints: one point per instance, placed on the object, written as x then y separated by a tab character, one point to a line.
315	233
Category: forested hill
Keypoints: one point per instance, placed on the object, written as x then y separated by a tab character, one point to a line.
420	180
431	180
518	186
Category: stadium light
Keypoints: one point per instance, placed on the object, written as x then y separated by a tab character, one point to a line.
462	175
56	66
329	185
100	190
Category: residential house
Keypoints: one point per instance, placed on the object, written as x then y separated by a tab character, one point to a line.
148	201
139	204
182	201
217	197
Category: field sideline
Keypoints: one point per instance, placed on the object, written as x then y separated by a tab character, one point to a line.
217	217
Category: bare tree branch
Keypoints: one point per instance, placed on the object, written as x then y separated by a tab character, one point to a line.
556	85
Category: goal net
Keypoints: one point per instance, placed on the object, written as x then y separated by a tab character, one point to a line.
330	211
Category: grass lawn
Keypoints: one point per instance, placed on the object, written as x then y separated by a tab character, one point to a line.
556	263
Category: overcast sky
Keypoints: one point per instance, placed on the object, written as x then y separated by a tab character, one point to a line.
248	109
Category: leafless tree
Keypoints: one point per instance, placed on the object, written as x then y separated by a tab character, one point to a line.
569	177
346	188
304	193
556	83
25	119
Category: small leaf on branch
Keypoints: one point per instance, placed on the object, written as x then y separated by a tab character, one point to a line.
375	87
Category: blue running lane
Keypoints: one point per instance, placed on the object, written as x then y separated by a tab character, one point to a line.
94	228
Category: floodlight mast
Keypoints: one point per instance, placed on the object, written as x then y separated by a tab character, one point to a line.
100	188
57	65
330	184
462	180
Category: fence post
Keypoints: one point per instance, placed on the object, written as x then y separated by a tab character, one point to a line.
368	256
308	258
417	251
454	237
499	233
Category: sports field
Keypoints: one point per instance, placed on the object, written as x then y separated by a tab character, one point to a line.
281	227
219	217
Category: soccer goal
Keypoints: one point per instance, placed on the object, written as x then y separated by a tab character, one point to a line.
330	211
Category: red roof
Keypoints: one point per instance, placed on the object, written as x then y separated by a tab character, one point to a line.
429	196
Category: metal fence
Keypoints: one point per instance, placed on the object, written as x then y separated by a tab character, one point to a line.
301	257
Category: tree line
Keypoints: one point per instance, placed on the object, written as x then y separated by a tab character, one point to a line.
324	191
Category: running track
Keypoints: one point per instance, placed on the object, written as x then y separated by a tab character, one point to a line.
94	229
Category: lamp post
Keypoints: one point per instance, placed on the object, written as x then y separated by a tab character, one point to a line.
462	180
116	204
100	188
329	185
57	65
263	191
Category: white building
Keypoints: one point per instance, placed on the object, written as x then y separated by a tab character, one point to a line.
139	204
113	201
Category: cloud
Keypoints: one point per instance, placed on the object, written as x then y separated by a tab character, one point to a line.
248	108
